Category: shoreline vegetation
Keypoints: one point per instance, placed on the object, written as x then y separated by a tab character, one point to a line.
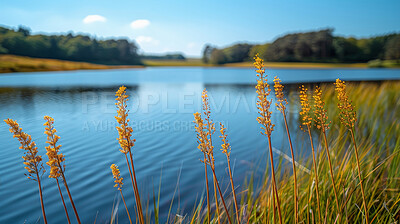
14	63
356	130
317	49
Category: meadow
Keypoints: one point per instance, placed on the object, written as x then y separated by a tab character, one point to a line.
351	177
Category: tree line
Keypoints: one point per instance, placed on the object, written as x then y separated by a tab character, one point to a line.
68	47
317	46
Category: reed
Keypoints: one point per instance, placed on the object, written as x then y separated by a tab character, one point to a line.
56	159
306	120
63	202
281	106
263	106
226	149
348	118
201	140
378	128
33	161
321	122
126	142
205	129
118	184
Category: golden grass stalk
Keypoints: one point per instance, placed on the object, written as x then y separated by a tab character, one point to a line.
56	159
126	142
201	140
263	106
216	200
306	120
321	122
210	129
118	183
281	106
226	149
32	160
348	118
62	199
204	132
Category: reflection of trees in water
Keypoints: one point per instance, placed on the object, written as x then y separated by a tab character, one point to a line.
27	100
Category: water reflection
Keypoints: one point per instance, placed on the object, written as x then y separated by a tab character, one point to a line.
161	114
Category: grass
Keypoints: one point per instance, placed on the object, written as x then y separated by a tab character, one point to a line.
304	65
249	64
368	114
13	63
191	62
384	64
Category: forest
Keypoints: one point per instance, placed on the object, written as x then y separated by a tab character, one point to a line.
317	46
68	47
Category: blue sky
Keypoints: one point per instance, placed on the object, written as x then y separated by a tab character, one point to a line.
186	25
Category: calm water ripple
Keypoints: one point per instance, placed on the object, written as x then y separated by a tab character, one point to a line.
162	106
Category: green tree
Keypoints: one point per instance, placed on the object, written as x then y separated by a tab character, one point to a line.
392	48
208	49
260	49
237	53
217	57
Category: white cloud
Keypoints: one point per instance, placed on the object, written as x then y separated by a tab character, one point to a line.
146	40
94	18
140	23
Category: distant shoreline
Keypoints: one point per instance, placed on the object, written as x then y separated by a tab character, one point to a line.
13	63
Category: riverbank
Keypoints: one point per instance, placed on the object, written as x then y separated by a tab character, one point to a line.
198	62
13	63
295	65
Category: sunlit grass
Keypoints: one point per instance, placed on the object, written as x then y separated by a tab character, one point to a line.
13	63
187	62
304	65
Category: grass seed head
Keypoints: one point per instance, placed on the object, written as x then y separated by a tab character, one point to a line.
125	139
226	148
263	104
305	115
347	113
321	117
116	176
200	132
55	158
33	161
281	101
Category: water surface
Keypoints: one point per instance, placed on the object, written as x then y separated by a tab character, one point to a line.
161	112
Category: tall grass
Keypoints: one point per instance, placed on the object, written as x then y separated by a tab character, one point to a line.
281	106
56	161
118	184
205	129
263	106
322	123
32	161
351	177
126	142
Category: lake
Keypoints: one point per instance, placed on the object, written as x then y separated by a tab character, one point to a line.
161	111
